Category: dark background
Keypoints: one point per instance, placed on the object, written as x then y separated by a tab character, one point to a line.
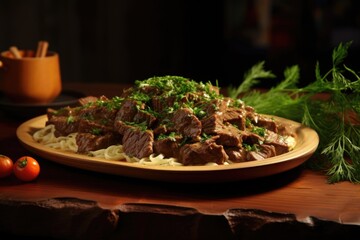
127	40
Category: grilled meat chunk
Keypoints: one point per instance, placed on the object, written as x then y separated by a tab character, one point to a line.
201	153
186	123
138	143
90	142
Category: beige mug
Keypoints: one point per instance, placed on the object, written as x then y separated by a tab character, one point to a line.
30	79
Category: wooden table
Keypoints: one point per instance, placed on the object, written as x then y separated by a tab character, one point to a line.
69	203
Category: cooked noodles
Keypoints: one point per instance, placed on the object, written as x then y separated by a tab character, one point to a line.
46	136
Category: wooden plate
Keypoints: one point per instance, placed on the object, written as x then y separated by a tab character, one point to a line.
307	141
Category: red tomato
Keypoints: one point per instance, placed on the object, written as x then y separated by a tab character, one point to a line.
26	168
6	166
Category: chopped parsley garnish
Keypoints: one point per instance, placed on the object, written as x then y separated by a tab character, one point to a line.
259	131
251	148
141	126
171	136
199	112
237	103
110	104
140	96
205	137
179	87
88	116
248	122
96	131
70	119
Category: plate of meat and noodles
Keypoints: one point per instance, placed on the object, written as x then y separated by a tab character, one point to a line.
170	129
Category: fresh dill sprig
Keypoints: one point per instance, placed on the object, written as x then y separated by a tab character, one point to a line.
251	78
335	118
280	100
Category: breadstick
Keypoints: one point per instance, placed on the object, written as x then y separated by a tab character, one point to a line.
15	52
38	50
42	49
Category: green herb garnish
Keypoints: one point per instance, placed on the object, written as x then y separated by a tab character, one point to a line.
251	148
199	112
70	119
259	131
170	136
96	131
142	126
333	119
205	137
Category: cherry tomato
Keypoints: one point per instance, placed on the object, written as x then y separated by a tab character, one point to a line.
6	166
26	168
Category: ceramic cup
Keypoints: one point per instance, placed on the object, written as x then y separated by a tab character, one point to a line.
30	79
